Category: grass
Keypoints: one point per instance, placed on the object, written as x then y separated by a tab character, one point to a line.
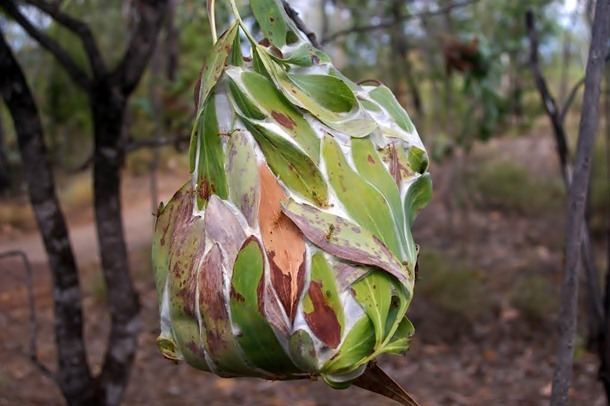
534	296
504	185
452	287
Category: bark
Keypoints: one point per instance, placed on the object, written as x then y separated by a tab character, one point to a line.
588	127
74	377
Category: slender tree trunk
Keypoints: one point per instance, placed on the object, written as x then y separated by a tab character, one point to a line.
108	107
576	209
605	350
5	178
74	377
402	64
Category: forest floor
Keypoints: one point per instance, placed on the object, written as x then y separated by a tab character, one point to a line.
484	309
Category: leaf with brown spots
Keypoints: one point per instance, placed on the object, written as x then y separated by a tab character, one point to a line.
283	243
217	331
214	66
210	163
299	173
163	231
242	174
322	306
256	337
347	240
186	248
246	89
277	28
223	228
363	201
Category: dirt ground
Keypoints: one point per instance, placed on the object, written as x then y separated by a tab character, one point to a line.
498	357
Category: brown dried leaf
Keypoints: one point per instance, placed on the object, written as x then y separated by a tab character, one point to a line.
283	243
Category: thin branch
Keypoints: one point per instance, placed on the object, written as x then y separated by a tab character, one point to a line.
548	101
141	45
589	122
389	23
33	353
82	31
570	99
294	16
76	73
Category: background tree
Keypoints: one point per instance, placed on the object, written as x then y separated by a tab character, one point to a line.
107	91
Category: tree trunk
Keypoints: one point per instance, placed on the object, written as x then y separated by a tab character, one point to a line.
589	122
74	377
108	106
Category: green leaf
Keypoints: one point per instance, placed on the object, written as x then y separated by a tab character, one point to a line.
290	165
305	55
211	72
327	91
237	58
256	337
374	295
399	344
356	348
386	99
215	65
417	197
418	160
274	22
322	306
361	200
303	351
273	106
370	165
356	122
246	106
242	173
344	239
211	176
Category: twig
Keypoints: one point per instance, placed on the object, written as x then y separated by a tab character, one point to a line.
587	130
33	350
389	23
294	16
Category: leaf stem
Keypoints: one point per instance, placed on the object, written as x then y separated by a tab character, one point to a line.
241	23
212	19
